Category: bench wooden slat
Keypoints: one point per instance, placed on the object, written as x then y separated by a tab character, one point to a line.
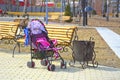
61	36
60	27
60	41
62	33
8	29
59	30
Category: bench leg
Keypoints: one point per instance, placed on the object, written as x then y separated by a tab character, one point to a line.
17	44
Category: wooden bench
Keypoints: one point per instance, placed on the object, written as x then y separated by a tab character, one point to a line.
54	18
65	18
64	35
8	30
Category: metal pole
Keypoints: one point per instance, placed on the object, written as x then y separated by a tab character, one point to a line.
46	12
25	7
61	10
86	21
83	12
79	12
73	8
31	4
107	17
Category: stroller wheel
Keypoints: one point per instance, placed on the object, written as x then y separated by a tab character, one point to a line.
44	62
31	64
51	67
63	65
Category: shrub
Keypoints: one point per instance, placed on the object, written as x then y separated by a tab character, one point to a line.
94	12
68	12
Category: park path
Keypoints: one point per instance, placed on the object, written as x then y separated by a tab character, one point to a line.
111	38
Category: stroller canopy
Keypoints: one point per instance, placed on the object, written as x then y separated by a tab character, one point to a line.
36	27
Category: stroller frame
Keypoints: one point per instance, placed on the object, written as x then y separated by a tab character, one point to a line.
46	56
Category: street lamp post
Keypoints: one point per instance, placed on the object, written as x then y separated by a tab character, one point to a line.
31	5
25	7
83	11
86	21
108	6
46	12
61	9
84	3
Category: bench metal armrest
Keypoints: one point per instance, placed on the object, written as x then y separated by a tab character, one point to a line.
19	36
74	32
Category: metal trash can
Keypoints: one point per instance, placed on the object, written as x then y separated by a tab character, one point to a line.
83	51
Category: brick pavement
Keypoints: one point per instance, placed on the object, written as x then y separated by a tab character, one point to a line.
16	69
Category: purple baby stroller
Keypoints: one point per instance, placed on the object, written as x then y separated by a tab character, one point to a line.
42	47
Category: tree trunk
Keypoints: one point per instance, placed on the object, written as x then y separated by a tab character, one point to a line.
17	5
117	15
9	5
25	6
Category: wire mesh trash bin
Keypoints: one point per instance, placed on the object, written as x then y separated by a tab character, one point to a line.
83	52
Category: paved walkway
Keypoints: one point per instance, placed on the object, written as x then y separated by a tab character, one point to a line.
16	69
111	38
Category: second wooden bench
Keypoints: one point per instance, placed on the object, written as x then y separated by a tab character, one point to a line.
8	30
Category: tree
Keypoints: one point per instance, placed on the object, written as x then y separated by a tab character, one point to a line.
8	5
68	12
25	6
17	5
105	9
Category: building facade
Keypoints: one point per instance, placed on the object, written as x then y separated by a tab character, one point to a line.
38	5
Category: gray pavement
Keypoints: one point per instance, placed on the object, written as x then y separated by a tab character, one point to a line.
8	18
16	69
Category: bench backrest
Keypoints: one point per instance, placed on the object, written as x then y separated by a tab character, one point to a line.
8	29
64	35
